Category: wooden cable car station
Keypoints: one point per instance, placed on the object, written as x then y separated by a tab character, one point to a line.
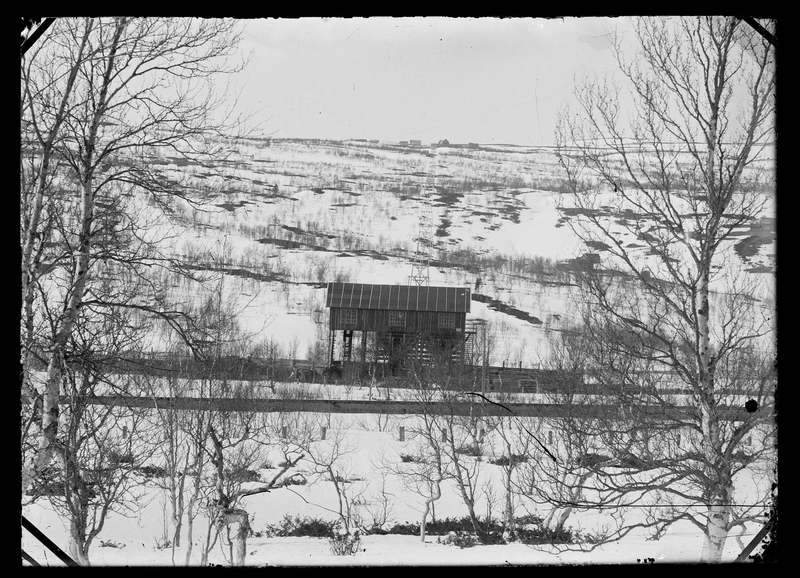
396	322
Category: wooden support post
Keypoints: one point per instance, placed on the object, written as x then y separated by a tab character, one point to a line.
444	435
347	344
363	346
324	432
402	434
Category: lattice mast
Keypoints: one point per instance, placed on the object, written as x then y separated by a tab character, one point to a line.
420	265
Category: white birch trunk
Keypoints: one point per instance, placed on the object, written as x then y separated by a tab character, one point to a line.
437	493
240	520
716	533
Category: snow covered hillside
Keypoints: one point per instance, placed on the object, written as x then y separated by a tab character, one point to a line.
284	217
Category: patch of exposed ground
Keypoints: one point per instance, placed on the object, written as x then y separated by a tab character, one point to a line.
229	206
299	231
761	232
444	224
239	272
497	305
285	244
247	274
597	245
447	198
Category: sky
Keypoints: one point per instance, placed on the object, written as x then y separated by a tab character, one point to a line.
485	80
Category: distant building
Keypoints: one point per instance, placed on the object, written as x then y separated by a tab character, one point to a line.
399	321
415	143
374	141
444	143
473	145
403	143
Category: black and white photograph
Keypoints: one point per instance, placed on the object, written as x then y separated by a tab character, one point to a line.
398	291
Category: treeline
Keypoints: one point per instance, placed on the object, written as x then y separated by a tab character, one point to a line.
230	367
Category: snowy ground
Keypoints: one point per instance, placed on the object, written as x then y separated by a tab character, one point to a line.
499	202
680	546
134	540
293	311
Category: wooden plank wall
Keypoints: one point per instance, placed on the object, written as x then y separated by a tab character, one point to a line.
378	320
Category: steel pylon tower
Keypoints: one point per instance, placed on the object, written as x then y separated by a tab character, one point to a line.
420	266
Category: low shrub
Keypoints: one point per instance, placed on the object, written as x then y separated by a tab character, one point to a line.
46	489
150	471
110	544
345	543
528	519
343	480
513	459
406	529
591	460
243	475
445	526
470	450
120	458
539	535
301	526
527	529
408	458
460	539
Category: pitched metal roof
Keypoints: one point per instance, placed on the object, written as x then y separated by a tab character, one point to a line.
398	297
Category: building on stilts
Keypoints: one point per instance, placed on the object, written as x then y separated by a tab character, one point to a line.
385	326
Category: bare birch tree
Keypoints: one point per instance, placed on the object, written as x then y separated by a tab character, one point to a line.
97	96
661	195
452	438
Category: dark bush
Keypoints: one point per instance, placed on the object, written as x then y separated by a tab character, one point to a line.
408	458
470	450
444	526
301	526
460	539
527	519
110	544
407	529
150	471
342	480
242	475
528	531
513	459
630	461
46	489
591	460
345	544
118	458
541	535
